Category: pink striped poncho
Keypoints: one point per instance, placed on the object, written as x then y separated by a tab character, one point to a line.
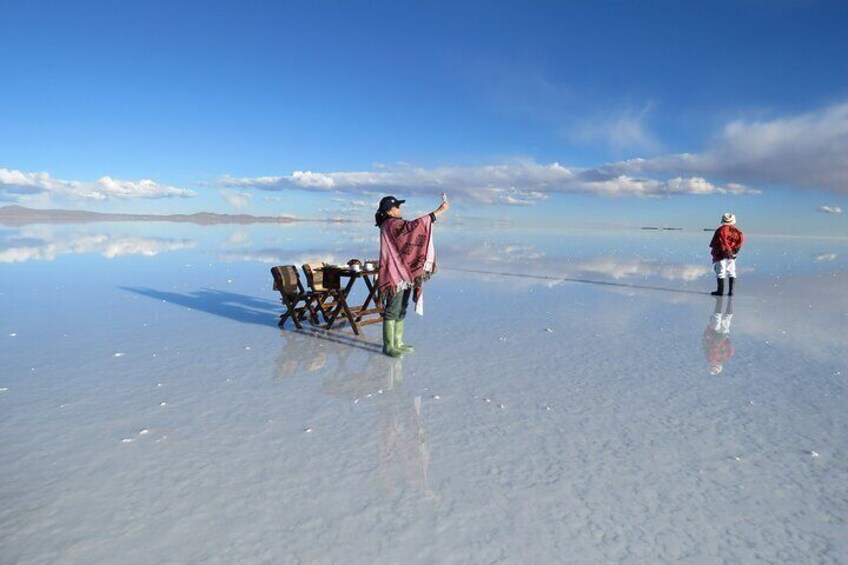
407	255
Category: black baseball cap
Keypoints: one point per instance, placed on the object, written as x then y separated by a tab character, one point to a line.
389	202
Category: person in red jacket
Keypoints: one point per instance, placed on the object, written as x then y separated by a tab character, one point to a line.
725	245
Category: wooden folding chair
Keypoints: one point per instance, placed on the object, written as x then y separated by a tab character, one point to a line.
287	282
323	286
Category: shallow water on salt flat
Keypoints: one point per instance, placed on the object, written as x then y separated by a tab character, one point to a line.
153	412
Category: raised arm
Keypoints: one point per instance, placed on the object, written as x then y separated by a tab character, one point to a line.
405	226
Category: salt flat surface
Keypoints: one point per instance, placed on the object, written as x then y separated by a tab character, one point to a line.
563	403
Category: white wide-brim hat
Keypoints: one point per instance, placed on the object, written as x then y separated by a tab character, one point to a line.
728	218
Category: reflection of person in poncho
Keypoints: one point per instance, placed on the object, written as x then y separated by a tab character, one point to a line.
407	259
404	448
717	346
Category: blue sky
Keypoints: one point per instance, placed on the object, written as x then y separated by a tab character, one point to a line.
626	113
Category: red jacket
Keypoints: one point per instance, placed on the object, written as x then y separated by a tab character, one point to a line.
726	242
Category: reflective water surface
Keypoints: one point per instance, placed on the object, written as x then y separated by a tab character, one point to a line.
572	393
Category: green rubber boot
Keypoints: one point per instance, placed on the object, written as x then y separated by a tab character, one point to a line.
389	331
399	344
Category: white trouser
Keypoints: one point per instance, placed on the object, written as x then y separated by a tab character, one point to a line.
720	323
725	268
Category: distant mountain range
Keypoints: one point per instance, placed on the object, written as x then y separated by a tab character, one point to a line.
18	216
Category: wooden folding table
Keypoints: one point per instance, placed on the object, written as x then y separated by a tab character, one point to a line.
369	312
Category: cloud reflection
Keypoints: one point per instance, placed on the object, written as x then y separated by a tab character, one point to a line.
46	246
528	260
821	257
283	257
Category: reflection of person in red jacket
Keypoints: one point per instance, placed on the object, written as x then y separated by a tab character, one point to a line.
716	341
726	243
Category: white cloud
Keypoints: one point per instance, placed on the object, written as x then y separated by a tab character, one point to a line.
514	183
830	209
809	150
18	186
351	204
238	200
626	130
803	151
513	201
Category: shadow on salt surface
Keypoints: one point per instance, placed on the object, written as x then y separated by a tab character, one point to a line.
237	307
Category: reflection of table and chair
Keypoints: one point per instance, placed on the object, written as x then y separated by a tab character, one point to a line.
327	296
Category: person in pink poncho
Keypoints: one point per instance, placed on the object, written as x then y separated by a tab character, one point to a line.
407	259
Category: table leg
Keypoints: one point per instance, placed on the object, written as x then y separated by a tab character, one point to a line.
341	304
350	318
370	296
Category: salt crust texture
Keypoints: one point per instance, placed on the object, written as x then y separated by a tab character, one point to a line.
152	412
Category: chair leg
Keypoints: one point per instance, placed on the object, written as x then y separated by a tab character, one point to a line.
313	312
304	313
325	304
293	313
336	308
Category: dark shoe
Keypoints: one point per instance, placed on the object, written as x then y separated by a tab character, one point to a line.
730	287
720	289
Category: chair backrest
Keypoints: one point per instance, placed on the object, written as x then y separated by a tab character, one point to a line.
319	279
314	276
286	280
